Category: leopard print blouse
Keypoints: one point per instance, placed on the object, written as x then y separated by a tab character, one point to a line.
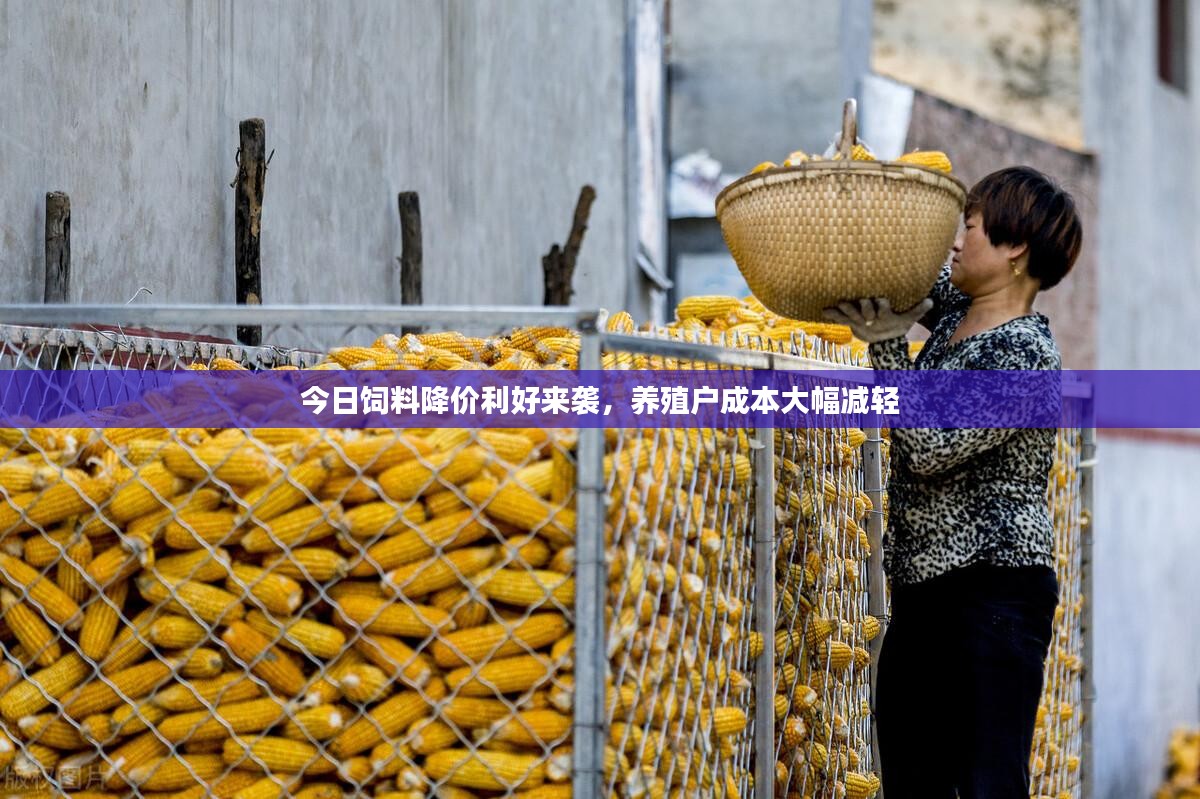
964	496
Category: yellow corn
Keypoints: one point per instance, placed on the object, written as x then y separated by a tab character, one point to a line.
423	577
414	478
190	598
707	308
503	675
932	159
486	770
253	715
68	497
274	592
276	754
239	461
516	504
40	689
270	500
318	723
363	683
308	564
447	532
527	587
300	635
50	730
385	720
398	661
196	694
308	523
479	644
195	529
45	595
383	616
255	650
131	683
532	728
30	630
201	565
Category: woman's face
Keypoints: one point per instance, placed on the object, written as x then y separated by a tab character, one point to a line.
978	266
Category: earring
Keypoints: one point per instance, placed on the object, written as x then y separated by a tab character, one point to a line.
1012	264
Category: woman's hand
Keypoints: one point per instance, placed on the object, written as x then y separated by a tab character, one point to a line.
874	320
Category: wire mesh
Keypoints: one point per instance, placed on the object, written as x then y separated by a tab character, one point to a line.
394	610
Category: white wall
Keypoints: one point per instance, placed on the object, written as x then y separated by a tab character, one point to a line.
1147	643
496	112
756	79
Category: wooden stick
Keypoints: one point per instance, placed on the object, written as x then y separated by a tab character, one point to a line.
248	197
58	247
558	265
411	252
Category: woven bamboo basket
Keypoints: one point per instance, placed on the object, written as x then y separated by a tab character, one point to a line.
806	237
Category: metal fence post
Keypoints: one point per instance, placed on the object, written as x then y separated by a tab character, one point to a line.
872	453
591	664
764	612
1086	472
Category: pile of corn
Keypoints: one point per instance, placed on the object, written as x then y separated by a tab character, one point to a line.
327	612
933	159
821	703
1183	767
1055	757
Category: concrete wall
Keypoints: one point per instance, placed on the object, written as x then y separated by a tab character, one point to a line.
753	80
977	146
1147	639
496	112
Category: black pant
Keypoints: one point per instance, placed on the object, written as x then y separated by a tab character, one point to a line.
959	682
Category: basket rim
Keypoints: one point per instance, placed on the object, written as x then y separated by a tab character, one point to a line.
809	169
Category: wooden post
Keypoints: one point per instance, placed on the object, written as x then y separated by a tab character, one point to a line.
248	198
411	253
58	247
558	265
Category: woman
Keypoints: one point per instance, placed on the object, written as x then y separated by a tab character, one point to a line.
969	550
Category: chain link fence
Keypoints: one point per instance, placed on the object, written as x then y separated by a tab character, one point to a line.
453	612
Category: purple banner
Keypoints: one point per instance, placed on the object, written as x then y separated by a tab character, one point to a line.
613	398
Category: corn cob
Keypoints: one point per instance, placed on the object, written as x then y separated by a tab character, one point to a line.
516	504
29	629
363	683
43	687
423	577
272	664
487	770
270	500
395	658
929	158
174	773
275	754
527	587
503	675
532	728
50	730
196	694
131	683
480	644
308	523
382	616
197	529
455	530
318	723
385	720
252	715
414	478
189	598
44	508
300	635
44	594
307	564
273	592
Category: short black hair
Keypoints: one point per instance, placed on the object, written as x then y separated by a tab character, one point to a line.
1020	205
